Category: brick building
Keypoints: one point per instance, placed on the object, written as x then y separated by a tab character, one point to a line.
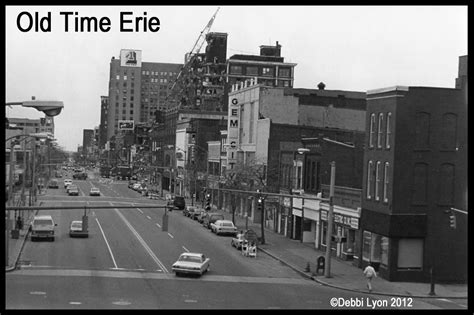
415	170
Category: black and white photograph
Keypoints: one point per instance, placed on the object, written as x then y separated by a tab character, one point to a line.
236	157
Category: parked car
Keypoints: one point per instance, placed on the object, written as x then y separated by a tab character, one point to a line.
223	227
136	186
42	227
94	191
191	263
75	230
202	214
71	185
179	202
197	213
191	211
237	240
186	210
73	190
53	183
211	218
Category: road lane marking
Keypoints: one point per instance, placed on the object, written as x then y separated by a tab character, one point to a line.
140	239
170	235
75	303
107	243
37	293
158	225
148	217
139	210
185	249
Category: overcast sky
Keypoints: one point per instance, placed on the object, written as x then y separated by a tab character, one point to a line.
354	48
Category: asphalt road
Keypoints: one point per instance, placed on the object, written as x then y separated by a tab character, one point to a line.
126	263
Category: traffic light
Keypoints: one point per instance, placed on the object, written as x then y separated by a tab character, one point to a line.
452	220
260	204
208	202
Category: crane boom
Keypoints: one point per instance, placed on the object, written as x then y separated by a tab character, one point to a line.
200	40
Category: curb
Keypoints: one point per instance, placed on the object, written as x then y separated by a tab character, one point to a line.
12	268
311	277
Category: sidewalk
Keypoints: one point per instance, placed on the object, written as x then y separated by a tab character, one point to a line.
15	246
344	275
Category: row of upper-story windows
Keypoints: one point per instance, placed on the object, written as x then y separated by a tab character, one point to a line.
380	129
255	71
378	180
445	134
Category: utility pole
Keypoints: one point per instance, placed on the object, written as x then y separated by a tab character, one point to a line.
327	270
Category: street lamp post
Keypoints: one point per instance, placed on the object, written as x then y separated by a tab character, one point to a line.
50	108
327	270
302	151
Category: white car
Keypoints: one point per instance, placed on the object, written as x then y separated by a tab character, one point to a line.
75	229
94	191
191	263
223	227
67	182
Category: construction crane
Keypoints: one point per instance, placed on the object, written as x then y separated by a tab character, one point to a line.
196	48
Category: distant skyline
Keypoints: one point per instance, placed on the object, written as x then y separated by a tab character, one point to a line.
353	48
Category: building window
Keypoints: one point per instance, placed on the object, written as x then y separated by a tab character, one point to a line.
380	131
117	77
422	130
446	185
251	71
236	69
375	248
370	171
448	132
420	183
378	175
388	132
267	71
372	131
410	253
284	72
386	181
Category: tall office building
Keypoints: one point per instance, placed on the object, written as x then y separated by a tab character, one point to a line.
136	89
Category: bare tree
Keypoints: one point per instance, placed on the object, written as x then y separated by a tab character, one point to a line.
248	176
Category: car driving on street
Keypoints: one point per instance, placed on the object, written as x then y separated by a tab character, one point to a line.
75	230
191	263
94	191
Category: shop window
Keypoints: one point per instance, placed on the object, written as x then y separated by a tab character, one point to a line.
410	253
307	225
375	248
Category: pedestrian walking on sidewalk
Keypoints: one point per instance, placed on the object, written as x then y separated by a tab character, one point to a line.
369	273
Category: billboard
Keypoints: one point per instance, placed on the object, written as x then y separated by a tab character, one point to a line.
125	125
130	58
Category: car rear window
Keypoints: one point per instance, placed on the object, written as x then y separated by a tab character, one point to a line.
43	222
77	224
226	224
191	259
